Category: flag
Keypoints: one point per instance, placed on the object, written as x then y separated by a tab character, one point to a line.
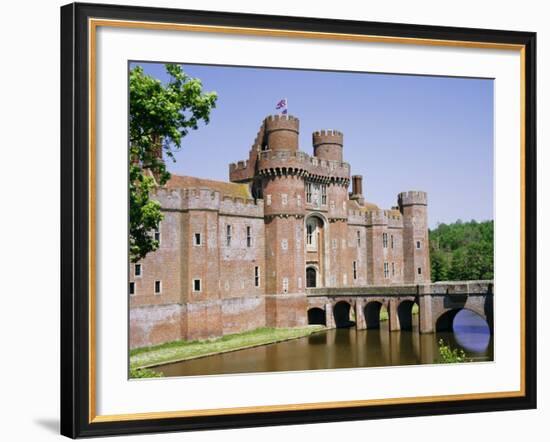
282	106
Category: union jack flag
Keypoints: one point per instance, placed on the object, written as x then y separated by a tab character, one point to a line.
282	105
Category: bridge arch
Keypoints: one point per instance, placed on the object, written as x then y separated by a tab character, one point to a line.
372	314
316	315
445	320
341	312
404	314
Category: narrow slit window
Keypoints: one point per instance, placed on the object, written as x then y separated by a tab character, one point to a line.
228	235
197	239
248	236
132	288
137	270
158	287
197	285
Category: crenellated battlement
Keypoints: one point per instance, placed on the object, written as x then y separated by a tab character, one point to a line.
281	122
300	163
412	197
239	165
328	136
328	144
377	218
202	198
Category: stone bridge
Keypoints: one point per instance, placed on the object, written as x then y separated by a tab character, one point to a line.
438	303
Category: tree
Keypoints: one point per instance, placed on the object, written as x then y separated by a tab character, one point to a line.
462	251
161	115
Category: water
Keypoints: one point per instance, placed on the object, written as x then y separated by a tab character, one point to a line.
347	348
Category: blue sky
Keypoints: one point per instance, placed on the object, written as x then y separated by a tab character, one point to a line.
401	132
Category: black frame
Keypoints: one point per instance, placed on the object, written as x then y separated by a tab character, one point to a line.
75	220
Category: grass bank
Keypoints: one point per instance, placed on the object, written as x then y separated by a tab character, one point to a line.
184	350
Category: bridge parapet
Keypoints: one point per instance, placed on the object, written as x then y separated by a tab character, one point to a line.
438	303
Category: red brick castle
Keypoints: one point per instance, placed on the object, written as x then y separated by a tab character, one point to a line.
239	255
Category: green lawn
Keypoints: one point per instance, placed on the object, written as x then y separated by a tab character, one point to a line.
184	350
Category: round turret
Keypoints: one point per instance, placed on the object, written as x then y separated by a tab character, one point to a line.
282	132
412	198
328	144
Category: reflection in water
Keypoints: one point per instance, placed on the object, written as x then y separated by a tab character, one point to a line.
347	348
471	331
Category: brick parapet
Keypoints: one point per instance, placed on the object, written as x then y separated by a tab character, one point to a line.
412	197
208	199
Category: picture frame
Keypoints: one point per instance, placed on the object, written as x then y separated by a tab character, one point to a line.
79	240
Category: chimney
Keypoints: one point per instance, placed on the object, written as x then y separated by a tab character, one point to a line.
357	185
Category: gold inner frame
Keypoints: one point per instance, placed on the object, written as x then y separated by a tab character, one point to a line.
93	24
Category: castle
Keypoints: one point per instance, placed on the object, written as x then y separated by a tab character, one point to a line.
242	254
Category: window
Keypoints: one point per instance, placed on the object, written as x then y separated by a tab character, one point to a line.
197	240
156	234
197	285
309	237
420	270
248	236
358	238
386	270
334	244
158	287
285	285
284	199
393	268
284	244
228	235
385	240
354	269
256	276
324	194
137	270
308	192
417	244
268	200
132	288
391	241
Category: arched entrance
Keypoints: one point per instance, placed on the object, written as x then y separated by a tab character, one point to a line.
316	315
314	246
311	277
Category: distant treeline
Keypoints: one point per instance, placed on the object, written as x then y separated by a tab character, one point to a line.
462	251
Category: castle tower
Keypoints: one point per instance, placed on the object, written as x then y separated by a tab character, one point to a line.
413	205
284	199
328	144
282	132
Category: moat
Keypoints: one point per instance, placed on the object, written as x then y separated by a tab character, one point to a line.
347	348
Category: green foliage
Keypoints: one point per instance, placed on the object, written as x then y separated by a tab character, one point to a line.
141	373
462	251
161	115
448	355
